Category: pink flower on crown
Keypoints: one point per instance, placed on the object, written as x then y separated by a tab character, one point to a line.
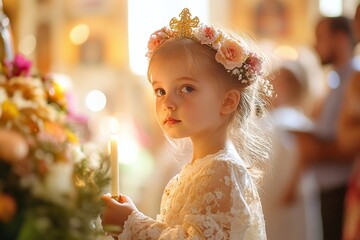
254	62
231	54
207	35
156	39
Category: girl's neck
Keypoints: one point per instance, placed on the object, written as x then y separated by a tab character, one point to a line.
208	144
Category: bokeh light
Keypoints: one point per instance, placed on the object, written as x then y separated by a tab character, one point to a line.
95	100
286	52
27	45
79	34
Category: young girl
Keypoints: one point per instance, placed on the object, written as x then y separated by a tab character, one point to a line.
208	87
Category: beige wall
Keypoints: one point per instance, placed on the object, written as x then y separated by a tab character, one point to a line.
110	24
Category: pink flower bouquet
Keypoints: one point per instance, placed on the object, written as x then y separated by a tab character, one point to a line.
49	184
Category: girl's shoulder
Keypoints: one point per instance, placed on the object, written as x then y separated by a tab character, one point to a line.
225	168
226	161
229	157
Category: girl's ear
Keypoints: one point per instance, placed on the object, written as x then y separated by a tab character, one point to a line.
230	102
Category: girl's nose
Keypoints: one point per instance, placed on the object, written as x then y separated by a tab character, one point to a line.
169	103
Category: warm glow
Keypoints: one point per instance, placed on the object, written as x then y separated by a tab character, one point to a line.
95	100
153	15
128	145
27	45
286	52
128	148
330	8
109	125
79	34
63	80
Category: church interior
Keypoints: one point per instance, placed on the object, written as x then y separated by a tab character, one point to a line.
95	50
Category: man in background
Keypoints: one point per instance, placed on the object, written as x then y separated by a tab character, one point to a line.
318	149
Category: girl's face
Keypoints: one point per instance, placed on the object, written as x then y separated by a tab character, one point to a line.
188	102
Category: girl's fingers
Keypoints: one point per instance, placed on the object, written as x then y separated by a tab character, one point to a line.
106	196
108	199
123	199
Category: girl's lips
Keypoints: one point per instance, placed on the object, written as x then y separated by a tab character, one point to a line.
171	121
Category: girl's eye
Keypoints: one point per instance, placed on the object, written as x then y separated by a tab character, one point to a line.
160	92
187	89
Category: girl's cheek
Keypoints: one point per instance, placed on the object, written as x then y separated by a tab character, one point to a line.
158	103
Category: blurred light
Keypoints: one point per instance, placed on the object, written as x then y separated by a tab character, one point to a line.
126	137
128	148
331	8
95	100
356	63
79	34
63	80
27	45
109	125
333	80
286	52
151	16
128	144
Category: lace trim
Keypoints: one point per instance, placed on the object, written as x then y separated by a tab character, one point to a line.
133	218
228	153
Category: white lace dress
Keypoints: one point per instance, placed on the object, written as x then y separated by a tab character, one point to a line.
211	198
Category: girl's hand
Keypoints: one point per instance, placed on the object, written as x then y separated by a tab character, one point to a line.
116	213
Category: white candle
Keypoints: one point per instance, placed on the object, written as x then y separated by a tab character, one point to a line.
114	166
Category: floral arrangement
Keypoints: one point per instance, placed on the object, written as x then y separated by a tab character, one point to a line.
230	52
51	187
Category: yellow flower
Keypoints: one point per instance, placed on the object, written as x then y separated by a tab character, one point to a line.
56	94
71	137
9	110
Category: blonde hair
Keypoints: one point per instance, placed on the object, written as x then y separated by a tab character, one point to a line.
244	131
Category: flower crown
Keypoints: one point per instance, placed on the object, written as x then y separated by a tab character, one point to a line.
230	52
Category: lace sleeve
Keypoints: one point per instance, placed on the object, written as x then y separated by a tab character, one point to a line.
217	201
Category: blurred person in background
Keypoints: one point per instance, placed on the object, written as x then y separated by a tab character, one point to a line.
319	149
349	141
298	218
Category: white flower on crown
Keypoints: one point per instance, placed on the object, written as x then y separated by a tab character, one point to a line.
208	35
157	38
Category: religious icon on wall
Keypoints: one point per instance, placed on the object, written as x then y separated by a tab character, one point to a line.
271	18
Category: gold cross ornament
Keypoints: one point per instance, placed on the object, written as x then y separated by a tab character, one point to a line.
183	27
